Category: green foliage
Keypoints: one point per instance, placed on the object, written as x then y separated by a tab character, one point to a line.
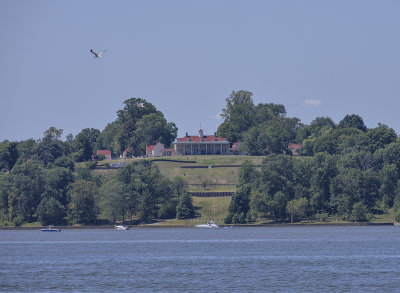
82	207
350	172
85	142
113	199
8	155
352	121
152	128
179	186
51	212
168	210
239	206
185	208
297	208
238	115
28	185
360	212
146	188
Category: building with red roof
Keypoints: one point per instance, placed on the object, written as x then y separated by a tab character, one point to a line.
236	150
294	148
155	150
201	145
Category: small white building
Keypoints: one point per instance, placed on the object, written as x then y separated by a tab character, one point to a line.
155	150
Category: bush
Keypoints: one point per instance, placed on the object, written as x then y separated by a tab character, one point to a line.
167	211
18	221
360	212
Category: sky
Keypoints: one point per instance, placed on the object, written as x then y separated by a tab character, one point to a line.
317	58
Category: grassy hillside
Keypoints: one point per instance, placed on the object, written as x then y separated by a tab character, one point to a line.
170	169
210	208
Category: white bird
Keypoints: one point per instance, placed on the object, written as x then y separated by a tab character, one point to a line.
140	105
96	55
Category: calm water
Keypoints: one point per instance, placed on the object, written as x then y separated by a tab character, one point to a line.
298	259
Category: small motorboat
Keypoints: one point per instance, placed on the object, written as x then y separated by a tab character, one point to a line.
121	227
50	229
209	225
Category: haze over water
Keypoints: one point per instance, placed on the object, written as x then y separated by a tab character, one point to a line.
284	259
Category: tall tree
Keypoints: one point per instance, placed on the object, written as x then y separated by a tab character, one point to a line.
146	188
185	208
150	129
238	115
134	110
297	208
51	212
352	121
85	141
83	207
50	147
239	205
113	201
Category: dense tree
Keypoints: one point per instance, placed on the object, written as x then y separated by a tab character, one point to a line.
50	147
238	115
28	183
146	188
26	149
352	121
151	129
377	138
389	175
5	191
239	205
8	155
324	170
51	212
83	207
179	186
113	201
297	208
85	142
134	110
185	208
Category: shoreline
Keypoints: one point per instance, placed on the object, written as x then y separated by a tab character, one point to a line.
158	226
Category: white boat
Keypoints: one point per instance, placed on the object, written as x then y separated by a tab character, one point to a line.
209	225
50	229
121	227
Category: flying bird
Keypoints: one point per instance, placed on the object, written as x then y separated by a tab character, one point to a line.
96	55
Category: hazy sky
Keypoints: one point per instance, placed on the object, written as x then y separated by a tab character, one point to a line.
318	58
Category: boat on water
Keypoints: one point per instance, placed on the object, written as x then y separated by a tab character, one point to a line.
50	229
121	227
209	225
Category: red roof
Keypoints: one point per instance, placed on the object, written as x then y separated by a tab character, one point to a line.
197	138
150	148
106	153
294	146
168	150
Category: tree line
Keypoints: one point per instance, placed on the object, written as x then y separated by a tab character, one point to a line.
353	185
40	180
61	195
345	170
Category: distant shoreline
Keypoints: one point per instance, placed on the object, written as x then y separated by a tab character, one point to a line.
153	226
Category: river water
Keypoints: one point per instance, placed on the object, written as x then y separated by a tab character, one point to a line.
262	259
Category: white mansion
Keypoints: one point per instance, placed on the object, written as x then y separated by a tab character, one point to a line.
201	145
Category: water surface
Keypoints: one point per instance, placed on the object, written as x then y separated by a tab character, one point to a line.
264	259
